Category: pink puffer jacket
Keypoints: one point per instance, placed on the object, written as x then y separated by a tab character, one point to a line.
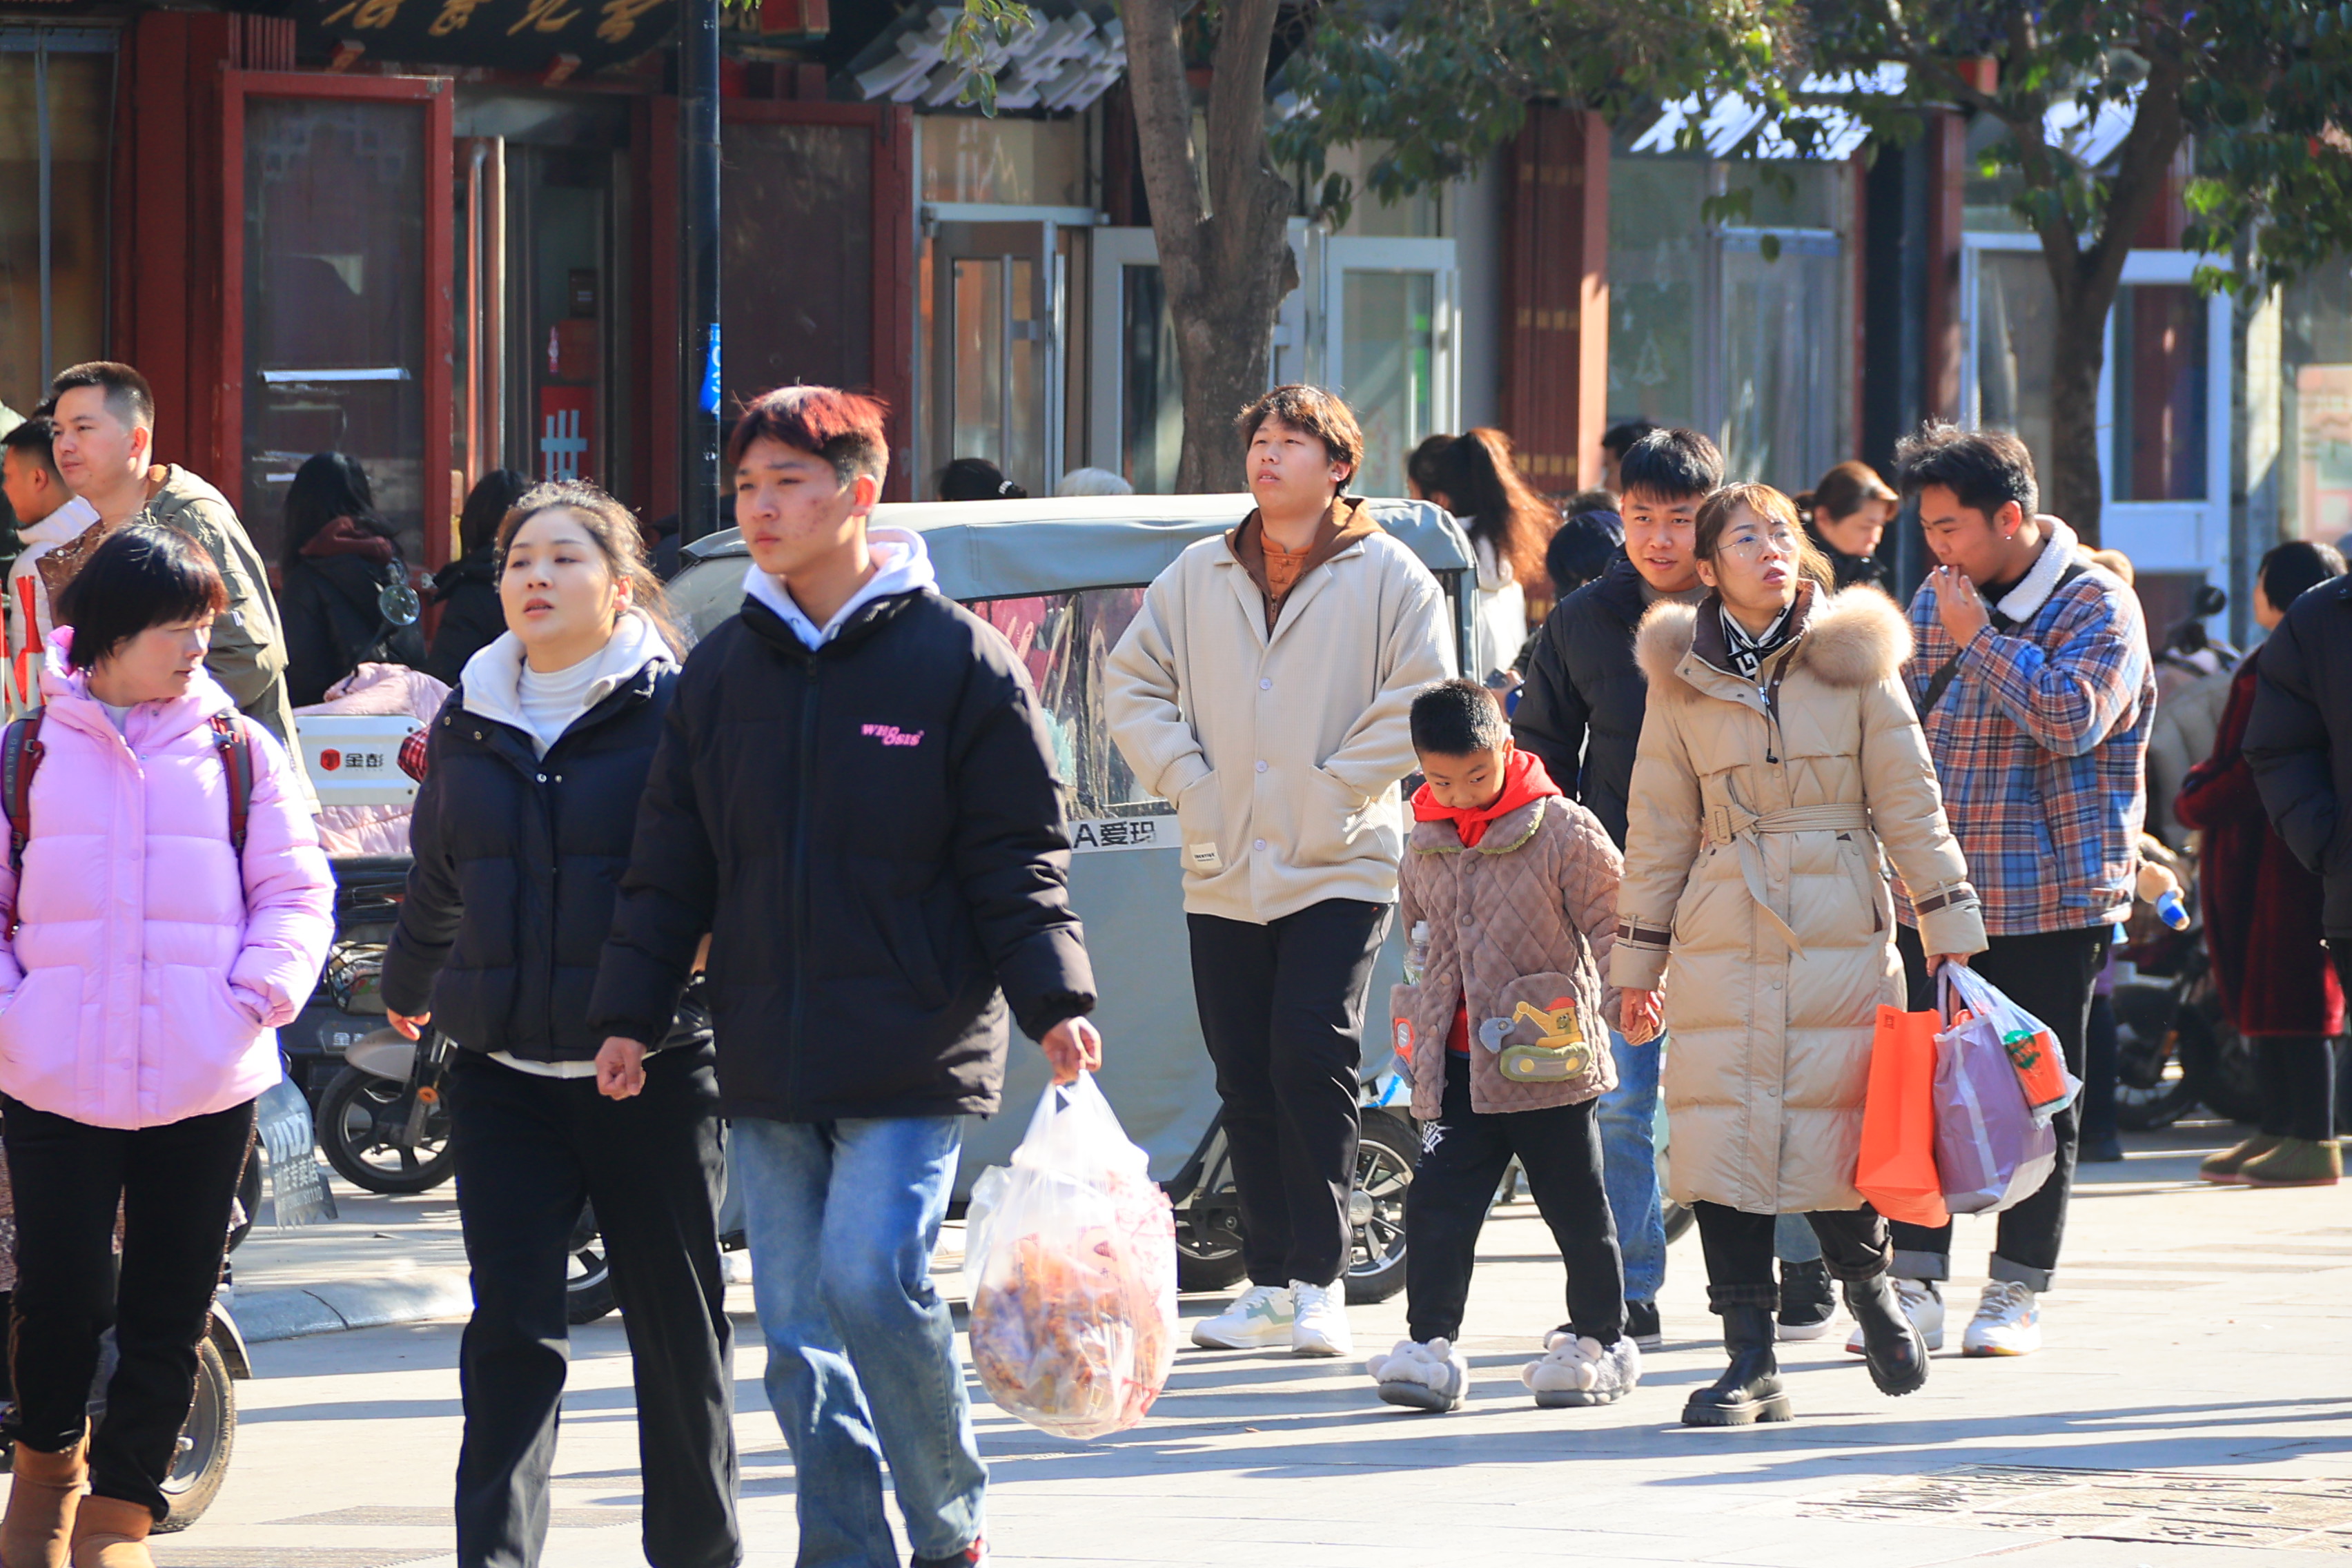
149	977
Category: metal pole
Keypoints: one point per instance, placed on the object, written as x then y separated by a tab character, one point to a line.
698	137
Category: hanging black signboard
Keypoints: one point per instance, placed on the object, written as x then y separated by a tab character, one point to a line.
570	36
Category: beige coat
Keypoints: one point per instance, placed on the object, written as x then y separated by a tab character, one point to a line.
1281	750
1753	857
1526	916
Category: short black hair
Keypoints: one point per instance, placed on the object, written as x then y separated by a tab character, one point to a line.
142	575
1671	465
35	439
1457	718
1985	469
1621	437
487	505
1582	548
977	479
2292	569
128	395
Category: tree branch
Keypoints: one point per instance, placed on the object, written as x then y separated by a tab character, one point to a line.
1163	121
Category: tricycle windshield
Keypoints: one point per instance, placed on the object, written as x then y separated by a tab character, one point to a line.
1066	642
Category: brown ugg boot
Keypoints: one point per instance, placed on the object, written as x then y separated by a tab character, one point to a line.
42	1499
111	1533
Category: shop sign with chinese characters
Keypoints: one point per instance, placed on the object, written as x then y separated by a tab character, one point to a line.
1123	832
566	37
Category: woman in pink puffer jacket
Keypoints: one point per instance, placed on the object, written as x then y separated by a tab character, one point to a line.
145	970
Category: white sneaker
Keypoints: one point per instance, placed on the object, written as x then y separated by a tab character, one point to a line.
1260	1316
1432	1376
1321	1325
1577	1371
1922	1303
2008	1321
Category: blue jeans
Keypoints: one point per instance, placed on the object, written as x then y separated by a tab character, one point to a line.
842	1217
1629	1164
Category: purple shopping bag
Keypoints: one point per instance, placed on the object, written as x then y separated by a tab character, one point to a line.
1990	1150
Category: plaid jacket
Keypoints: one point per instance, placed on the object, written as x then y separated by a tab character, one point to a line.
2040	741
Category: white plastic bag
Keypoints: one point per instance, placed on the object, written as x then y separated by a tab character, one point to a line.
2041	1071
1071	1252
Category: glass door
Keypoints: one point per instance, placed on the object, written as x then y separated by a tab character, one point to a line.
336	240
996	314
1390	346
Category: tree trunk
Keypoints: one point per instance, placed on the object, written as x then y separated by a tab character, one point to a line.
1226	269
2071	488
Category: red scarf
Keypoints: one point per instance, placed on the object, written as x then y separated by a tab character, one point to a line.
1524	780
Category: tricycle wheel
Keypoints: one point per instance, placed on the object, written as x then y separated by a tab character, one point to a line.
1386	1152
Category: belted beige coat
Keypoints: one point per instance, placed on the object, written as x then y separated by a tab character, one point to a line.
1762	816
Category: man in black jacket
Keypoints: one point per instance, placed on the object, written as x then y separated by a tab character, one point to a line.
1580	711
856	798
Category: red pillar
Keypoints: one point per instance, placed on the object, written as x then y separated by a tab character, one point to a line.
1556	296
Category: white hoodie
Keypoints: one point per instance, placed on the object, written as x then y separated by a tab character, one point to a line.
30	618
902	563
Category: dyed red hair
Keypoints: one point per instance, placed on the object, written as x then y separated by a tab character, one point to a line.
845	428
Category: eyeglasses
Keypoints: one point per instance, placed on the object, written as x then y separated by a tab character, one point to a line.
1750	545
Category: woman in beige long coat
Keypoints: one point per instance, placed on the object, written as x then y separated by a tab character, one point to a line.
1780	757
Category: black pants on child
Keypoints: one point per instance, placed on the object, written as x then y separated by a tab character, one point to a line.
529	1151
1464	1156
1282	1009
175	1184
1738	1248
2050	975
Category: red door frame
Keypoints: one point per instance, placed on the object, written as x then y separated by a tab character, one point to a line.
893	212
439	99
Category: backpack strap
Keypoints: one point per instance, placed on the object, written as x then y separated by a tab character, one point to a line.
20	758
236	758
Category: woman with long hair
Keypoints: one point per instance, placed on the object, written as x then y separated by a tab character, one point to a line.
1476	479
165	910
1846	515
466	589
521	833
346	599
1780	766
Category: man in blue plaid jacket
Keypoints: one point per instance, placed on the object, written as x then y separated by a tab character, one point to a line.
2032	676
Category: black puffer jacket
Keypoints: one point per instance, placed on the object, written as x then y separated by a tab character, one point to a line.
333	612
2299	740
872	833
1845	570
518	860
471	617
1581	708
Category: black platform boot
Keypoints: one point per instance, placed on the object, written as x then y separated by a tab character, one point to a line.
1749	1390
1891	1344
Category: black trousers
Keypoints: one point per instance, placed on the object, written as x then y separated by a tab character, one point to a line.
2297	1074
175	1185
1738	1249
529	1151
2050	975
1463	1157
1282	1009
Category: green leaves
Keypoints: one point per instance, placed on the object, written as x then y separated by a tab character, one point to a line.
976	41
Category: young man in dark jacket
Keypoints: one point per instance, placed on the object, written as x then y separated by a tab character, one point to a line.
854	798
1580	711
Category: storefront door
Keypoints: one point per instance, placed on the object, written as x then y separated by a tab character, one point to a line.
1391	352
336	239
996	349
2164	403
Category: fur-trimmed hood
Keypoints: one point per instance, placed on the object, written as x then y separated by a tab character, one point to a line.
1854	638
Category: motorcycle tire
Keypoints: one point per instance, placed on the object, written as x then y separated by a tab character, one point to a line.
2152	1088
1386	1152
2218	1064
200	1462
587	1273
1208	1253
370	1102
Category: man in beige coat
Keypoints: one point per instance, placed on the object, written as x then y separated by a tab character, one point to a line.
1264	689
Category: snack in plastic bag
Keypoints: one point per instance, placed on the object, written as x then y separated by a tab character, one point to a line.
1990	1152
1072	1255
2049	1087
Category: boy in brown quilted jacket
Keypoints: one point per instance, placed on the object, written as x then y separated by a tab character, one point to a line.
1509	894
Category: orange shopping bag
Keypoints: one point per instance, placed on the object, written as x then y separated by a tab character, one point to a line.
1897	1169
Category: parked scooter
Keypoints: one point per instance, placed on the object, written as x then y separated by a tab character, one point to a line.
383	1121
